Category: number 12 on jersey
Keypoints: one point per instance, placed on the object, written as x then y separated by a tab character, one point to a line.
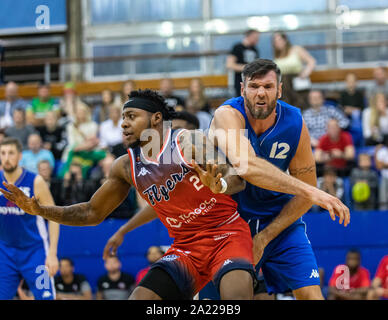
279	150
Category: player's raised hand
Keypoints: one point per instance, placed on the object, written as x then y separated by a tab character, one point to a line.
333	205
17	196
113	243
209	176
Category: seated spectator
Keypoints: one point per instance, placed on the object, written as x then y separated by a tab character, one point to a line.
99	174
20	129
375	120
167	90
197	98
35	153
185	120
331	183
336	149
101	112
380	84
82	142
55	185
352	100
53	135
379	288
364	182
318	115
203	117
115	285
154	253
111	133
69	285
10	104
349	281
381	159
126	89
40	105
75	188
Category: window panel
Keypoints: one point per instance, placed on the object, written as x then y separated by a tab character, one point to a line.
363	4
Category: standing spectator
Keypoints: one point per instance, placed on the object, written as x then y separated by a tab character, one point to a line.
101	112
186	120
364	178
126	89
69	285
45	171
335	149
20	129
318	115
53	135
349	281
167	91
352	99
115	285
379	289
331	183
197	97
10	104
35	153
40	105
380	84
375	120
381	159
242	53
154	253
110	130
295	63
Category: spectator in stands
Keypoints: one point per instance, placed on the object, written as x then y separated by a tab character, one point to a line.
115	284
380	84
375	120
154	253
352	99
82	142
111	133
75	188
68	104
126	89
20	129
101	112
331	183
197	98
349	281
69	285
242	53
296	65
379	288
185	120
381	160
364	182
10	104
53	135
35	153
55	185
40	105
203	117
336	149
319	114
167	91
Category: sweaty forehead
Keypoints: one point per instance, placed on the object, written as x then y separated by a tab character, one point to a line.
269	77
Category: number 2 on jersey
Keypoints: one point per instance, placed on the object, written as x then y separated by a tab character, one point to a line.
196	182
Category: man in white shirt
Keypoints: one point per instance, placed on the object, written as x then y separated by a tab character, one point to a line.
110	130
10	104
382	165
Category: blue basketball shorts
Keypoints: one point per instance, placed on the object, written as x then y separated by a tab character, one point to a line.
28	264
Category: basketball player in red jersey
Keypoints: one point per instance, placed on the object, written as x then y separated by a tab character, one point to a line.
211	240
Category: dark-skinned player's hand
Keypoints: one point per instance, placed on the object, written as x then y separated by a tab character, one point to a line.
112	245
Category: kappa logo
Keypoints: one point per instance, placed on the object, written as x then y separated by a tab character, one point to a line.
143	172
46	294
227	261
170	257
314	274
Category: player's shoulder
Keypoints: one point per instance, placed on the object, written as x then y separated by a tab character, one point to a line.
290	109
226	113
121	168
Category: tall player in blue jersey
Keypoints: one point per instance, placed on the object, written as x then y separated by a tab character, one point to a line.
25	249
276	133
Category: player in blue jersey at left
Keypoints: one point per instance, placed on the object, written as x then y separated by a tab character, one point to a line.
28	249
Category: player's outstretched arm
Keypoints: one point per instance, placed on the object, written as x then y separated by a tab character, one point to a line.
103	202
143	216
225	128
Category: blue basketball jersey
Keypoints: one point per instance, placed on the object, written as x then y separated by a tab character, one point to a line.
17	228
277	145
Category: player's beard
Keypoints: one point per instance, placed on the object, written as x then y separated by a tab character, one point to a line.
260	113
10	170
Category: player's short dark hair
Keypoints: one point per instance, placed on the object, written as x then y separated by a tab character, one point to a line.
168	112
12	141
259	68
68	260
250	31
189	117
354	251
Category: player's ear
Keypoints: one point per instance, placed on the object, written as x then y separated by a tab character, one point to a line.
156	118
242	88
280	89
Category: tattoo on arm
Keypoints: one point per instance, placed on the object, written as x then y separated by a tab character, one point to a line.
301	171
74	215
